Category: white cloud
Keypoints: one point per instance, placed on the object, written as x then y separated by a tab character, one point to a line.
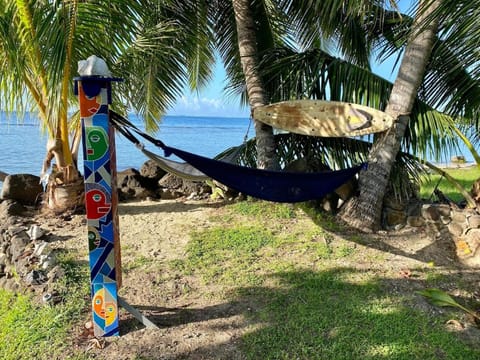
216	103
195	106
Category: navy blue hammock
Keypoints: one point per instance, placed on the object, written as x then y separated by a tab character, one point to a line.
277	186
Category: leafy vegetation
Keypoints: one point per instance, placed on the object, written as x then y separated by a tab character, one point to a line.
441	298
465	176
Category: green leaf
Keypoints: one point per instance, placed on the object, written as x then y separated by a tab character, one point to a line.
439	298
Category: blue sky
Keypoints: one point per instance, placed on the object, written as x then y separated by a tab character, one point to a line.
210	101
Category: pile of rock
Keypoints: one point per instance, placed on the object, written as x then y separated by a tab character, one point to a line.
464	227
154	183
456	231
26	254
24	188
151	182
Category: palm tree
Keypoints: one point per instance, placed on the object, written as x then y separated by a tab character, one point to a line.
449	84
364	211
248	52
263	26
41	43
245	31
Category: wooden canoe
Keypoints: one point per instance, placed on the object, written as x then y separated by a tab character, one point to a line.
323	118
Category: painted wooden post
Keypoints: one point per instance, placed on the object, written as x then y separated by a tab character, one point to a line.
101	201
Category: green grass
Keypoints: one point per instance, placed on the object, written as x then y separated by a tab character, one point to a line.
309	302
308	306
264	209
224	254
326	315
137	262
34	331
465	176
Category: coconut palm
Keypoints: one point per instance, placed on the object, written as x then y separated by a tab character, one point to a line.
248	53
41	43
239	32
364	211
245	30
358	26
434	68
315	74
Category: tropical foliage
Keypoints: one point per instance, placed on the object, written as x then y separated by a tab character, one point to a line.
41	43
315	49
313	73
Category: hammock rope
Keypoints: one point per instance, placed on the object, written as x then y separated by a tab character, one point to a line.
277	186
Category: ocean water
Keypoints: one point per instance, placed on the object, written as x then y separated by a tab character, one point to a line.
22	144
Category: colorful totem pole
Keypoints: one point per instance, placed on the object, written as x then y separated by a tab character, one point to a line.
101	201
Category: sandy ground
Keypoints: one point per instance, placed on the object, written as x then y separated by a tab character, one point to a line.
190	324
153	233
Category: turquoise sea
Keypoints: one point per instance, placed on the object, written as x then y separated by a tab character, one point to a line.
22	145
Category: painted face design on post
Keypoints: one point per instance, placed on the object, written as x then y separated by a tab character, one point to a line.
97	142
103	307
93	238
110	312
91	104
97	204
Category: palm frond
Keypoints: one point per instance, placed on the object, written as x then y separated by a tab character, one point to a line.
271	31
315	74
460	30
195	40
356	25
319	75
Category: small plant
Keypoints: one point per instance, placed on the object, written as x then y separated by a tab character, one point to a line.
217	192
441	298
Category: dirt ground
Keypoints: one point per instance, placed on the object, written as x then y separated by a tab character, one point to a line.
190	324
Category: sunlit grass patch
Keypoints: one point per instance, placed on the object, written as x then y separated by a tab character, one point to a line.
326	315
264	209
309	303
27	331
225	254
465	176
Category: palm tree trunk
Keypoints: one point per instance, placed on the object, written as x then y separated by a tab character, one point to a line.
247	45
364	212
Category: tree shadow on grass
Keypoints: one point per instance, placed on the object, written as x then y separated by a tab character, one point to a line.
331	314
440	252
